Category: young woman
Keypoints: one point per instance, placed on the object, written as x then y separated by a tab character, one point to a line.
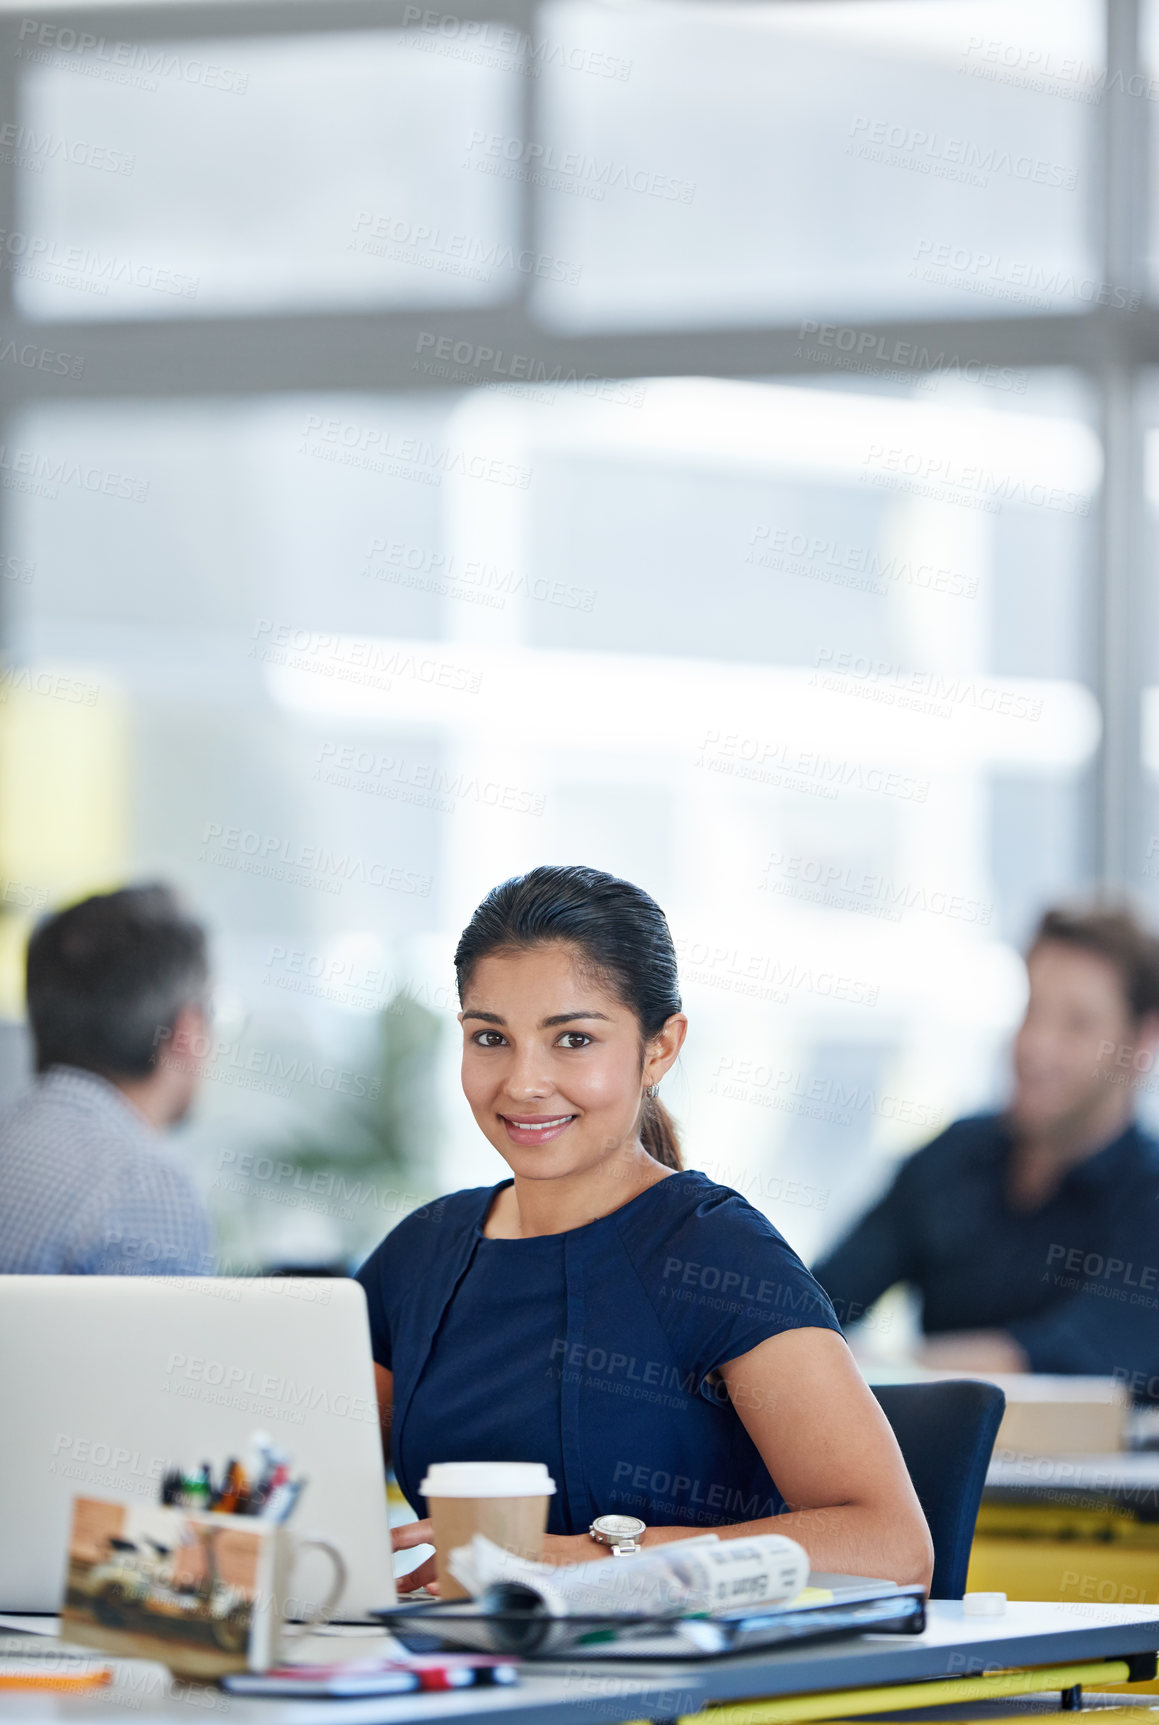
643	1331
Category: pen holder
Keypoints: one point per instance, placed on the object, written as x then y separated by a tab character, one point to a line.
202	1594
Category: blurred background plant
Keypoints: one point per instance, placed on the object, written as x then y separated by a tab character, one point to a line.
322	1193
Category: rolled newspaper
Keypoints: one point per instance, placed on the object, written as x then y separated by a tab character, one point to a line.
703	1573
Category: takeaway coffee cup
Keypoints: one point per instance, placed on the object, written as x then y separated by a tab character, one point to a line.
506	1500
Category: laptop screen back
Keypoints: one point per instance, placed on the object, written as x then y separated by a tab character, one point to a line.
105	1381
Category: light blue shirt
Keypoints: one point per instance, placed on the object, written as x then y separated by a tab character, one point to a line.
89	1188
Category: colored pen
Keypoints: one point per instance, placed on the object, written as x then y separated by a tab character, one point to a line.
271	1493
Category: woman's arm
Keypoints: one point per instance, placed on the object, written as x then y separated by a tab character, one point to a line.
835	1460
384	1389
411	1533
831	1452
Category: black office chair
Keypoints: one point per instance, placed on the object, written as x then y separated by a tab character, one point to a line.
946	1433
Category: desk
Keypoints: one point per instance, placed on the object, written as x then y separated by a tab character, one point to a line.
1126	1479
1081	1528
952	1645
1070	1528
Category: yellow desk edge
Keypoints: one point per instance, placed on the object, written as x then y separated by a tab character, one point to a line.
891	1697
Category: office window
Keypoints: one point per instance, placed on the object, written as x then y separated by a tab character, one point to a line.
1145	862
266	175
802	162
812	642
498	635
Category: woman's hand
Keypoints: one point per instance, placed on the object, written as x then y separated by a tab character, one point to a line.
557	1548
405	1538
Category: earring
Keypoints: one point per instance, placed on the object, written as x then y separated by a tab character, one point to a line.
653	1092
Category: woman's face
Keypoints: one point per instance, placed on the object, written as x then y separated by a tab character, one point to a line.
551	1062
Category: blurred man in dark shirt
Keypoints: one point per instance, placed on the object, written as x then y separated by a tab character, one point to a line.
1032	1236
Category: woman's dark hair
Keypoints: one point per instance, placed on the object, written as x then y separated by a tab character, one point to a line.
620	933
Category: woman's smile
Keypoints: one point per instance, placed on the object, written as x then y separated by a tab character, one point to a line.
535	1128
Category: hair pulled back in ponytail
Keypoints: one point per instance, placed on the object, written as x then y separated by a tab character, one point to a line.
658	1134
620	933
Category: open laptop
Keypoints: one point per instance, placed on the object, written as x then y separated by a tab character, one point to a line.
105	1381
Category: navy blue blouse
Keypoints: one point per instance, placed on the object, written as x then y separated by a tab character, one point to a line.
593	1351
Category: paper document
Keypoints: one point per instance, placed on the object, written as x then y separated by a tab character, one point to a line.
684	1577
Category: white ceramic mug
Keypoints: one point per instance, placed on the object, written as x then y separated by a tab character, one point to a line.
270	1635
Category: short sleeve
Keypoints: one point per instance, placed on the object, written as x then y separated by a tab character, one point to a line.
723	1279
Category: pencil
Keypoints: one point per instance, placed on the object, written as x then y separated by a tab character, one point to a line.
13	1678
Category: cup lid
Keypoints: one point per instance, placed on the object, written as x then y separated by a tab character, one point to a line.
487	1479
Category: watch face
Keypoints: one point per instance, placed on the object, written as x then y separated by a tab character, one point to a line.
619	1526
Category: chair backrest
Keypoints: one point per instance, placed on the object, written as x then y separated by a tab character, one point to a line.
946	1433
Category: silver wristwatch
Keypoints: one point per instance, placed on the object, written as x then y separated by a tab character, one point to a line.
621	1533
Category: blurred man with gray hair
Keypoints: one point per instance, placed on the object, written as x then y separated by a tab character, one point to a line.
117	991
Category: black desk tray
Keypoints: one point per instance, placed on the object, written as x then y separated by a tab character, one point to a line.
496	1623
